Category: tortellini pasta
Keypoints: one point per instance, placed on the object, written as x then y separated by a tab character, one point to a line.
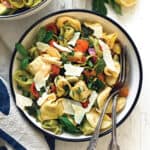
93	117
37	65
72	79
68	32
50	60
23	79
111	76
80	92
103	95
121	102
62	86
52	125
66	20
110	39
86	128
53	52
51	110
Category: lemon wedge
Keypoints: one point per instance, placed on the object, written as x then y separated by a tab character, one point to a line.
126	3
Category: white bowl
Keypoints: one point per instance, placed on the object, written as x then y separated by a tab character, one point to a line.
134	63
27	12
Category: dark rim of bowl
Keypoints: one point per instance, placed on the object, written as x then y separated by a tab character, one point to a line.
137	55
23	12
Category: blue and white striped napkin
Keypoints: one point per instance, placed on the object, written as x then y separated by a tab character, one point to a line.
15	130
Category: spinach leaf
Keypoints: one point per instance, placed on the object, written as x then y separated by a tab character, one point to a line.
86	31
116	7
99	7
41	34
95	84
42	90
64	58
90	63
24	63
100	66
71	53
68	126
33	110
48	36
26	93
21	49
98	85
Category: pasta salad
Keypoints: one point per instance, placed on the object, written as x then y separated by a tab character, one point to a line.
67	74
8	7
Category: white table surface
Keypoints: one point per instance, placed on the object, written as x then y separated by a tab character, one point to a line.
134	133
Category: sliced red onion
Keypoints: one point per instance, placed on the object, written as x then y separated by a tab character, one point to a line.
92	51
94	59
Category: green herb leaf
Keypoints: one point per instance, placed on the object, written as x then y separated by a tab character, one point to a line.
68	126
33	110
116	7
21	49
64	58
79	90
71	53
41	34
26	93
100	66
90	63
24	63
95	84
42	90
66	88
99	7
48	36
86	31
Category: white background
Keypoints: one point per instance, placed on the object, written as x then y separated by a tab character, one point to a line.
134	133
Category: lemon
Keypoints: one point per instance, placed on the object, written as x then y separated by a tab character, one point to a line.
126	3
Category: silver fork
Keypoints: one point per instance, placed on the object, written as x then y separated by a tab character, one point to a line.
122	78
114	94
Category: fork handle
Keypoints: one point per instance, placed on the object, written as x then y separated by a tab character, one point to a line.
94	139
114	139
113	143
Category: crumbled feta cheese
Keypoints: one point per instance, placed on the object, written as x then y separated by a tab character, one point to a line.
79	113
92	100
96	27
22	101
107	56
42	46
61	48
40	80
72	70
42	99
73	41
75	108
